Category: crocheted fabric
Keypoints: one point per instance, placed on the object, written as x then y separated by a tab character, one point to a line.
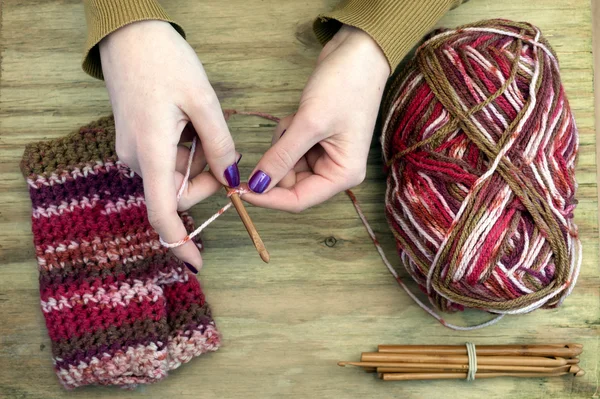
120	310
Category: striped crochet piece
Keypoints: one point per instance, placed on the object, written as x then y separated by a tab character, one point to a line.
480	147
119	309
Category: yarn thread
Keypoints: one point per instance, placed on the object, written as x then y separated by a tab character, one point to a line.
401	283
480	146
359	211
240	191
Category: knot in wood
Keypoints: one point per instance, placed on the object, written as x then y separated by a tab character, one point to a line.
330	241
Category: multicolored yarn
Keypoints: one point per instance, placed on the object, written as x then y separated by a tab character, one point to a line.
480	147
119	309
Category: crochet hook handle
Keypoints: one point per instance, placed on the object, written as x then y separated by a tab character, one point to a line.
254	236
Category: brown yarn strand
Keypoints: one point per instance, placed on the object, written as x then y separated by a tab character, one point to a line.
438	83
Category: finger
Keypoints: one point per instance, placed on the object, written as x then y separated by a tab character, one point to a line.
295	175
197	189
198	162
290	178
281	128
199	186
219	149
283	155
160	192
308	192
304	167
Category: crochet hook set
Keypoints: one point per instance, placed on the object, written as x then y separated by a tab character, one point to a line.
450	362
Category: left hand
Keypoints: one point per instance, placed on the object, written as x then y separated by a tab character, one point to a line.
322	149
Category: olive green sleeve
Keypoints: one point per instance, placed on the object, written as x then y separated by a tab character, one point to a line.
105	16
396	25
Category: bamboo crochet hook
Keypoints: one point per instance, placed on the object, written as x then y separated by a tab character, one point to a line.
434	362
254	236
566	350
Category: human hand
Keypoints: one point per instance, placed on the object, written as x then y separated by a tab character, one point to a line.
322	149
161	97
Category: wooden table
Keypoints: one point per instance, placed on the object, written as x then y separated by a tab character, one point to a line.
325	296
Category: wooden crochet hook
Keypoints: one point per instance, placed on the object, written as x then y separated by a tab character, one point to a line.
254	236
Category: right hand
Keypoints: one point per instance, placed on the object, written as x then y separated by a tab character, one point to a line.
159	90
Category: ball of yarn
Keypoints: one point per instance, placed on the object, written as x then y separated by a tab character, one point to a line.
480	147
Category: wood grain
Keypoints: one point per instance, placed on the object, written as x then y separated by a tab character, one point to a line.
325	296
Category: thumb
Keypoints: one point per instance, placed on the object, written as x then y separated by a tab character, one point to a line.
219	149
161	201
299	137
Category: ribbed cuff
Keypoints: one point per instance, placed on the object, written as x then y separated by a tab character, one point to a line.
396	25
105	16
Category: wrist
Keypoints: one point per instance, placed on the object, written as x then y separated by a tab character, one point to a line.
364	45
133	32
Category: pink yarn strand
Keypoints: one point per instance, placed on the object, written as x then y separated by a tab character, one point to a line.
391	269
188	169
239	191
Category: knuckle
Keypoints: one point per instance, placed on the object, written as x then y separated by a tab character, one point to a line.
124	154
283	159
312	118
355	176
297	208
221	145
203	99
159	220
298	205
156	220
313	123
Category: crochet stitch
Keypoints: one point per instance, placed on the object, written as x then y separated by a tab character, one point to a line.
119	309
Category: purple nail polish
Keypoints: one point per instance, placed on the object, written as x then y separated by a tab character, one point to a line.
259	182
232	175
192	268
238	161
282	133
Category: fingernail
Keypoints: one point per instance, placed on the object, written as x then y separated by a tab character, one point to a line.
284	130
192	268
238	161
259	182
232	175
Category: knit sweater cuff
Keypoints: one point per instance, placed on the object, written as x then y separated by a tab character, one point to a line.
105	16
396	25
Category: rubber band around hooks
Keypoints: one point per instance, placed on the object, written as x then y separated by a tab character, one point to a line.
472	354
